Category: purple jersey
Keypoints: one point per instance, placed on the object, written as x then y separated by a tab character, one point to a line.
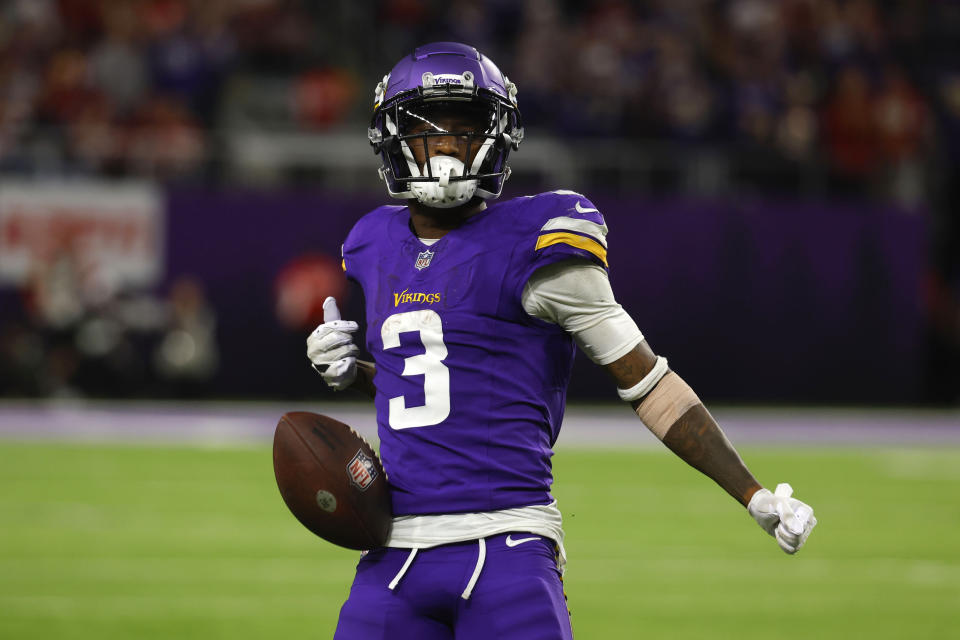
470	388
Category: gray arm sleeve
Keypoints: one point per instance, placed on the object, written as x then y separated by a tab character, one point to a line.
576	295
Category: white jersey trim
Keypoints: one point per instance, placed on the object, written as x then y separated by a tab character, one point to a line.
596	231
423	532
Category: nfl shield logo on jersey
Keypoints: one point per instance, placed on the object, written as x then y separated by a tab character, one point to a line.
361	471
423	260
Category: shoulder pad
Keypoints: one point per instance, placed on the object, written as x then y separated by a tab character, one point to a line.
366	233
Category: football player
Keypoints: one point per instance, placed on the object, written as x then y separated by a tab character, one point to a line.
474	308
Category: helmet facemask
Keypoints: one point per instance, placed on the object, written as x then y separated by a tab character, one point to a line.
444	143
446	146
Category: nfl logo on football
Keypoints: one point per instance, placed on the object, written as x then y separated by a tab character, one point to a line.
361	471
423	260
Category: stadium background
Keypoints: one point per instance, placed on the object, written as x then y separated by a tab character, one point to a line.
781	183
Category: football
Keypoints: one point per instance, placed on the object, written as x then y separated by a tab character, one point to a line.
332	480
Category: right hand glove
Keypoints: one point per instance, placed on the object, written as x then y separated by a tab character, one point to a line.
331	349
786	519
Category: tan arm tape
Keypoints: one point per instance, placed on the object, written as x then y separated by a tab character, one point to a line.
663	406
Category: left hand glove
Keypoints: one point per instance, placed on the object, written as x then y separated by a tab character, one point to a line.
786	519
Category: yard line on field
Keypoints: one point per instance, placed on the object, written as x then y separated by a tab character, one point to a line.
223	424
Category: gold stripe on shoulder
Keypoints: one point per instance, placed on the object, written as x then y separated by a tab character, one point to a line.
573	240
343	264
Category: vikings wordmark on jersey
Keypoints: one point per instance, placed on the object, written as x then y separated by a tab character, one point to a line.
406	297
470	388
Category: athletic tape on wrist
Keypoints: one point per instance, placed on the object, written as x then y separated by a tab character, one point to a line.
649	381
668	401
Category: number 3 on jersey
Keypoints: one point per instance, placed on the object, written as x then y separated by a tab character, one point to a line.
436	376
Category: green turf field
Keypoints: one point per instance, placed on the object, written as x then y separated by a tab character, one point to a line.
145	542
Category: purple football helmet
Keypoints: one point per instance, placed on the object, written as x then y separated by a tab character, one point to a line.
445	78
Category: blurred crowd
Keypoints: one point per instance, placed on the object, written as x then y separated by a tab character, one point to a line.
865	93
77	335
870	88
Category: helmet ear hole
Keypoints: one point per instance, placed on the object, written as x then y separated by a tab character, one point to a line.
391	144
503	141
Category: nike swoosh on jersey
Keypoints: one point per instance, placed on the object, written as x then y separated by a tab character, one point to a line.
582	210
512	543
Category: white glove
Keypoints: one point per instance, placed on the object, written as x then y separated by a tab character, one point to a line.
331	349
786	519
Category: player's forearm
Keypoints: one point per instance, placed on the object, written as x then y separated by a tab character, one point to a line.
697	439
364	380
673	412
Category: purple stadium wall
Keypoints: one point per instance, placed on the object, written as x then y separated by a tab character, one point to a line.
751	301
